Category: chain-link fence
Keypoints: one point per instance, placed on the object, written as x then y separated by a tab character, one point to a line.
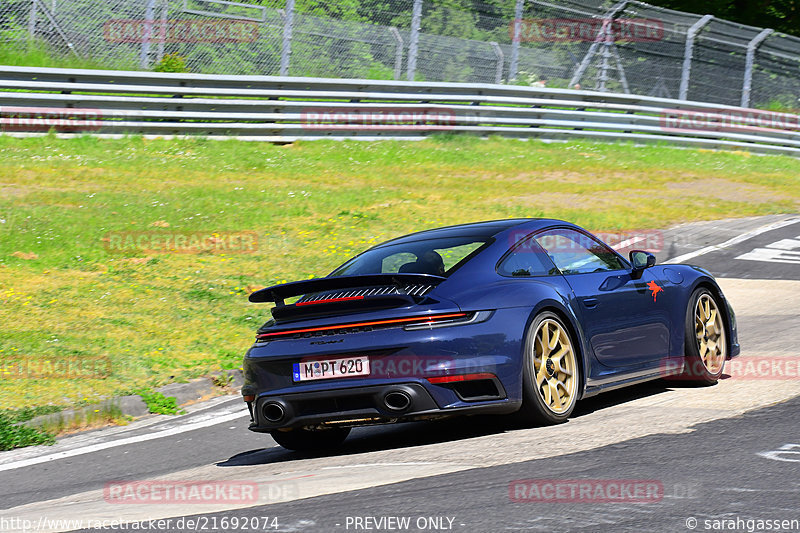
660	52
625	46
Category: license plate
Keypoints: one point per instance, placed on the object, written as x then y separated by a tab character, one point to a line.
331	368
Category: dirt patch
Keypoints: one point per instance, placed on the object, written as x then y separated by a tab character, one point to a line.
565	176
9	191
729	191
593	200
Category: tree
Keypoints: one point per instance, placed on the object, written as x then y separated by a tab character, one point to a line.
780	15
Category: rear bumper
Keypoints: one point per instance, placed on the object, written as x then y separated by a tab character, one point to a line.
358	406
410	362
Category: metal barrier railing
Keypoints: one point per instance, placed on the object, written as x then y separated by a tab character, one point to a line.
111	104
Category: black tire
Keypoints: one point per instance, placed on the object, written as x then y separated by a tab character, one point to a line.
307	440
535	405
706	344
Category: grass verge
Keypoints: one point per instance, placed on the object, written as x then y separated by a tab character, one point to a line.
13	435
128	317
36	53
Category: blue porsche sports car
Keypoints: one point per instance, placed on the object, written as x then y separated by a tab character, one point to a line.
525	315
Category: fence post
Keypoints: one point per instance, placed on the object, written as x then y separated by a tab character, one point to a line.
748	65
513	68
498	53
602	37
413	46
147	36
687	55
32	20
622	78
45	12
162	30
288	26
398	54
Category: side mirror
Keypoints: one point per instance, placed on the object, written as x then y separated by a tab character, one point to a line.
641	260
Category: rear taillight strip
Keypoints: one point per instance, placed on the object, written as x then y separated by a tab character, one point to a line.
417	319
469	318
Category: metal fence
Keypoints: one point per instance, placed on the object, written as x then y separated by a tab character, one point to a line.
285	109
626	46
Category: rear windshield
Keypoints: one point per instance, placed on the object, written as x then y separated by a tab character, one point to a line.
439	257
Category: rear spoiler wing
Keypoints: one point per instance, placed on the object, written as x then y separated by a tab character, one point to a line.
279	293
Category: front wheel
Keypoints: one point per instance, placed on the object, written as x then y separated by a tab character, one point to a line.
306	440
706	344
551	374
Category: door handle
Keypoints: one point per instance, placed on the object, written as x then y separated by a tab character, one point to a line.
590	303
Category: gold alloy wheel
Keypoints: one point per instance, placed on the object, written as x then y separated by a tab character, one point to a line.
554	366
710	333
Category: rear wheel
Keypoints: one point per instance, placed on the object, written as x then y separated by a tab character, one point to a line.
305	440
706	343
551	373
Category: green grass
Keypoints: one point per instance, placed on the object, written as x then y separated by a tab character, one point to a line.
161	317
24	414
44	432
34	53
14	436
159	404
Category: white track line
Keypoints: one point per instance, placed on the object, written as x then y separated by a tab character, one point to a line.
735	240
627	242
191	426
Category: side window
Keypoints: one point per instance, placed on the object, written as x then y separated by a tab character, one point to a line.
452	256
526	259
576	253
393	263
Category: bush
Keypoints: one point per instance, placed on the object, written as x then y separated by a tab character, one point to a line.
171	63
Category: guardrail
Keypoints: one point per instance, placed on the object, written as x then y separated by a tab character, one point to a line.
112	104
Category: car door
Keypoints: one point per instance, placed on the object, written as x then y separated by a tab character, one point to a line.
625	319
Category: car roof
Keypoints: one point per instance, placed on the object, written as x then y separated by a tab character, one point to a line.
480	230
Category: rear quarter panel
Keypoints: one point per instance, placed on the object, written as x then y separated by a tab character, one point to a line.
521	299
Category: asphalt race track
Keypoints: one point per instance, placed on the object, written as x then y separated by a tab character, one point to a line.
712	473
657	457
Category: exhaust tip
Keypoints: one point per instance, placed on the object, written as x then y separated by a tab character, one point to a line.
273	412
397	401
